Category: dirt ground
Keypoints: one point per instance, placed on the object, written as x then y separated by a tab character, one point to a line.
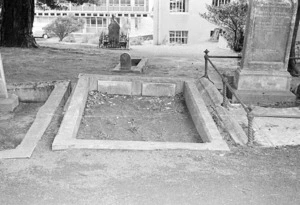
15	125
241	176
136	118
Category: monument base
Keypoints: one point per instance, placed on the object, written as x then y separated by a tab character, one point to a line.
264	97
9	104
264	87
137	66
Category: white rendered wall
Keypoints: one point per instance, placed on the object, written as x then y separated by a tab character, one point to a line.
197	27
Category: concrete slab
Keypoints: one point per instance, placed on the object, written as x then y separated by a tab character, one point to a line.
9	104
269	131
258	97
140	67
137	87
44	116
32	91
201	117
158	89
115	87
71	121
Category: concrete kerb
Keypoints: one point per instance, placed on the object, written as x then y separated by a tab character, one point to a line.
66	137
57	98
213	99
139	68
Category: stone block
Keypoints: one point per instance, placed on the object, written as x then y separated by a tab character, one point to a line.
115	87
202	119
264	97
158	89
9	104
3	89
209	92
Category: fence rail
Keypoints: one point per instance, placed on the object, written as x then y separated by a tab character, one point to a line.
248	109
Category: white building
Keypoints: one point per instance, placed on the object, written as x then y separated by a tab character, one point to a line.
133	14
178	21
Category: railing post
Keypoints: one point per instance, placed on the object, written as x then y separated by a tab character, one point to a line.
224	91
206	64
250	117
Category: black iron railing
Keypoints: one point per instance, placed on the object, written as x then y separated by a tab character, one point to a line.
224	78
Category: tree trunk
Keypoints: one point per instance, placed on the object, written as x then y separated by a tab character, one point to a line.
292	68
17	22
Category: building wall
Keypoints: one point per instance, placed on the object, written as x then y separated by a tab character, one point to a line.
165	21
138	18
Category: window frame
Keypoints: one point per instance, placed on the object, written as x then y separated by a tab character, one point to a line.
178	6
178	36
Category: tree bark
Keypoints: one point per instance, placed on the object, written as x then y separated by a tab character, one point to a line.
292	67
17	22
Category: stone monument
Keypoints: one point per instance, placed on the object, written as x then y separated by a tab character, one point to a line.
263	77
114	32
8	102
125	62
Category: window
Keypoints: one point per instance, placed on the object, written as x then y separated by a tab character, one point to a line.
180	37
114	2
101	3
125	2
220	2
139	3
178	5
95	23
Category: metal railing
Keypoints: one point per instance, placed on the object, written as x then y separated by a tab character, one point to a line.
248	109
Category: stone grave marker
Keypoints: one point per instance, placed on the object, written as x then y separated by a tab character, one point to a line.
125	62
3	89
8	102
113	32
263	77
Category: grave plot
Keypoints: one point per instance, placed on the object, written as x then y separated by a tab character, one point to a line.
137	113
22	128
14	125
137	118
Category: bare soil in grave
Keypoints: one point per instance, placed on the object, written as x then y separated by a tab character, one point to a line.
14	125
243	176
137	118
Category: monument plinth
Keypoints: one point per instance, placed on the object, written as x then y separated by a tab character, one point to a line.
263	77
8	102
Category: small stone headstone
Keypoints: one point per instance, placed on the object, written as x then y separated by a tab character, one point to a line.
3	89
215	35
125	62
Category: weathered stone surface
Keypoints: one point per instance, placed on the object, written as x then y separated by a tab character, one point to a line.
113	32
209	92
202	119
3	89
115	87
267	46
269	34
125	61
158	89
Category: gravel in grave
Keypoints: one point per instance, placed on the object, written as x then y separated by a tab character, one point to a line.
137	118
14	125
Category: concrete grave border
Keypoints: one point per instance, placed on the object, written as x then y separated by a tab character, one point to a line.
136	85
57	97
141	66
